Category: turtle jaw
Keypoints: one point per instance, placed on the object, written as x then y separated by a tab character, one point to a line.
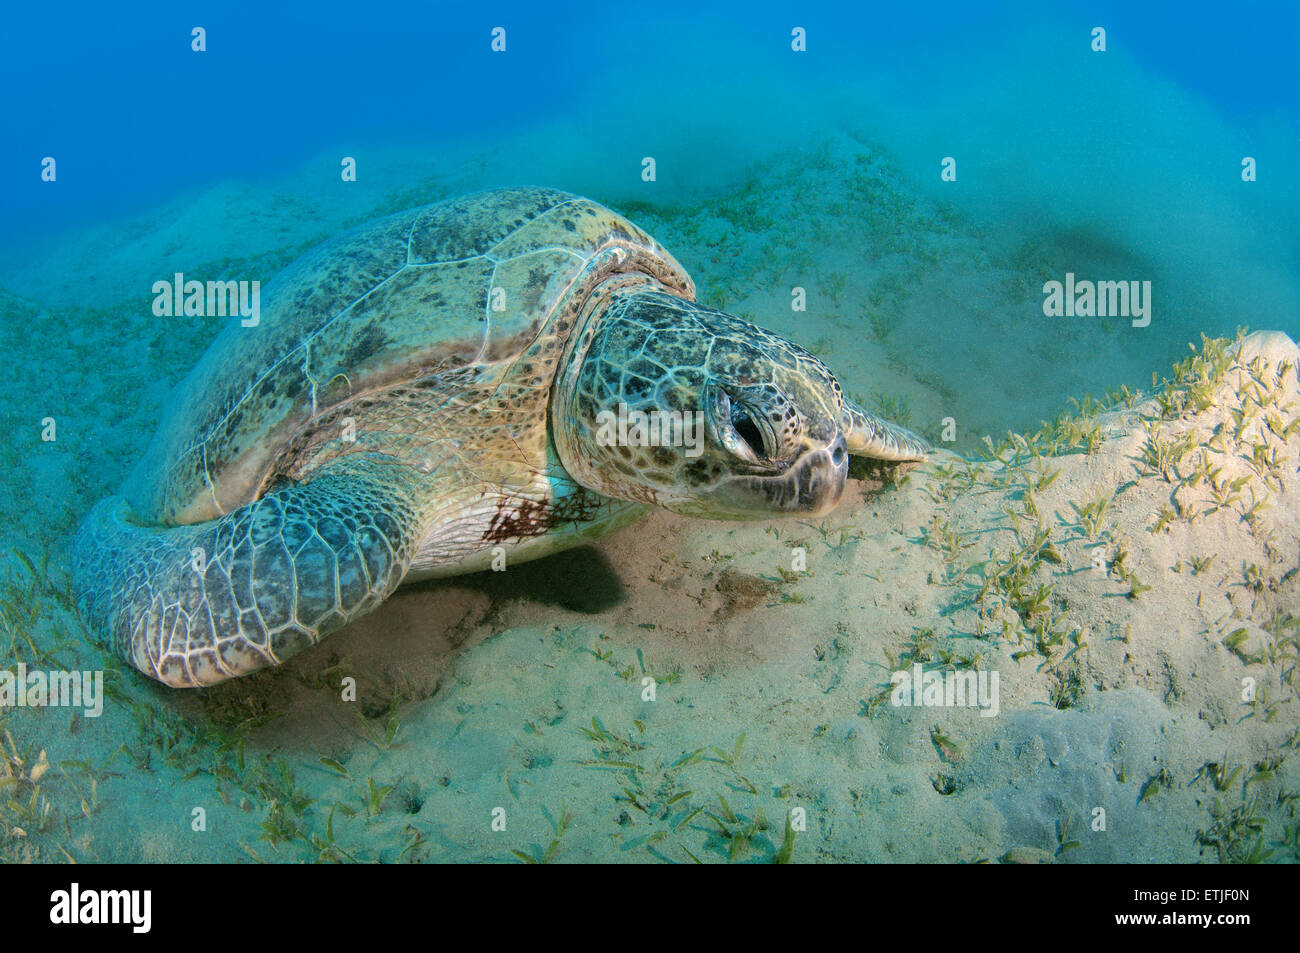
811	486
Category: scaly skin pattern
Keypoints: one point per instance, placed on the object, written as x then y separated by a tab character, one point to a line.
658	352
196	605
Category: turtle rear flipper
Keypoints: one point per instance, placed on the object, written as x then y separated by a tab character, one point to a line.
870	436
195	605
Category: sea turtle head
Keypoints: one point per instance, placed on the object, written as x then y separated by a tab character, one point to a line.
667	402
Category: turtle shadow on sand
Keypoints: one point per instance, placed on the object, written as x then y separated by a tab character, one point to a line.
426	625
579	580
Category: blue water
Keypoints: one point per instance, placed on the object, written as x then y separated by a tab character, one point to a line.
133	114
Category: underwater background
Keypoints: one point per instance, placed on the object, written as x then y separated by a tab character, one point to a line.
1123	549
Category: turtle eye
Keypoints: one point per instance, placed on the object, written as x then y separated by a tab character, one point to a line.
740	430
747	430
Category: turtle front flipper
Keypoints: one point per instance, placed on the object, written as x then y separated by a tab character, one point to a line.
195	605
870	436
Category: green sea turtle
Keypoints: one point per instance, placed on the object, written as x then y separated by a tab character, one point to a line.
435	390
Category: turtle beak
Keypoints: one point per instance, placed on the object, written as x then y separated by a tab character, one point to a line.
867	435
